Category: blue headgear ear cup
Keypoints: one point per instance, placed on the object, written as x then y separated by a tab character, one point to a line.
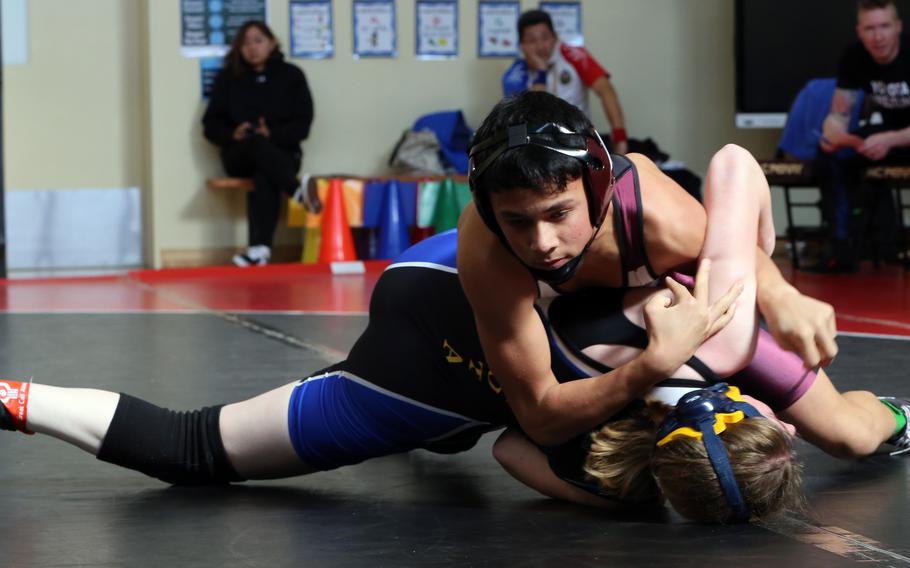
597	176
703	414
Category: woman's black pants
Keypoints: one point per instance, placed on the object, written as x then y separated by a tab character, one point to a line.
274	173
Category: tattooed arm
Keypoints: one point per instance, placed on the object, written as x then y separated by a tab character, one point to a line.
835	133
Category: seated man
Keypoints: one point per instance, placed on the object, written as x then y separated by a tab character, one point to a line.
565	71
878	66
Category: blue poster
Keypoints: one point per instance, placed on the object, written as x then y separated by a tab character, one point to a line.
437	29
312	35
209	67
374	28
208	26
497	28
566	20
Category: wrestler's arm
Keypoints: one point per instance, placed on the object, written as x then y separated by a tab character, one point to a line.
675	227
515	343
527	463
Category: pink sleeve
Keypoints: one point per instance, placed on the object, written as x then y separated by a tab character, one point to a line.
588	68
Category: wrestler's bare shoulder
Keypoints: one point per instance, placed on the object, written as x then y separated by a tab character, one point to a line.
485	267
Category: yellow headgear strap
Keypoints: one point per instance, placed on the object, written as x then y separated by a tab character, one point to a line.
720	421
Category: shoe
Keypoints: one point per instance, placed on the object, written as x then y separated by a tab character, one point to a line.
900	442
254	256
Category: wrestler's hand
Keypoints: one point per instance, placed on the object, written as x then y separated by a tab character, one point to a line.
803	325
678	324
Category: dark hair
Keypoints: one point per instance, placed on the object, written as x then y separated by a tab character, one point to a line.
529	166
866	5
532	18
234	59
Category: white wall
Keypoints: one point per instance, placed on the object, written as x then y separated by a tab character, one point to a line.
118	106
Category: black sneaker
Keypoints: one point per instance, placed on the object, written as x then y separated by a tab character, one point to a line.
246	260
900	442
256	255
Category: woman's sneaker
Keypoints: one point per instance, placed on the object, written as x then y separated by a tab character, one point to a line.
254	256
900	442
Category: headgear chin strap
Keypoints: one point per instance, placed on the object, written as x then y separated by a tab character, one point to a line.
597	176
704	414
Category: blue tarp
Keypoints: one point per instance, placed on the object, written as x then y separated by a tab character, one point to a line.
453	134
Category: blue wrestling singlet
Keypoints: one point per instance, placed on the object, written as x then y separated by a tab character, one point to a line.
372	422
416	377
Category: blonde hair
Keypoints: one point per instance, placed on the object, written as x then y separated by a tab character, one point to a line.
620	455
625	461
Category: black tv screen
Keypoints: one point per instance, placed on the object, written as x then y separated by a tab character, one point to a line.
782	44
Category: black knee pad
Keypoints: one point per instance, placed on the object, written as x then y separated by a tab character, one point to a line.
183	448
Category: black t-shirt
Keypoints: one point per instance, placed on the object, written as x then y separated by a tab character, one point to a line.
887	87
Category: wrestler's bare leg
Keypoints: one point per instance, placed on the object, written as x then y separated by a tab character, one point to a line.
254	432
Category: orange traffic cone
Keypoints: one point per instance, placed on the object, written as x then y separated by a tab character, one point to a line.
337	241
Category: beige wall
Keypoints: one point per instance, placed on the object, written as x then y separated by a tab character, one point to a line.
123	108
70	115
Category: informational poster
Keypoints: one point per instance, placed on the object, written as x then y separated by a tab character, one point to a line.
437	29
209	67
208	26
566	20
15	32
497	24
311	29
374	28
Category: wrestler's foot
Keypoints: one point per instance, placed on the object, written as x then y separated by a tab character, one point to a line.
14	405
900	442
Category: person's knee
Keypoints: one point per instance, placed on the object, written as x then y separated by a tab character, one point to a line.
181	448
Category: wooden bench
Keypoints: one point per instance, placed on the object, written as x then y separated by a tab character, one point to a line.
229	183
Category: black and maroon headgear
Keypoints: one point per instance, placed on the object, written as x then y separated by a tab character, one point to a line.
583	146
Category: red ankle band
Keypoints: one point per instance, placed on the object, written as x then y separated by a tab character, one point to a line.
14	396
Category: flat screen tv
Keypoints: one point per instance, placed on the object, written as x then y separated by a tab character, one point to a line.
782	44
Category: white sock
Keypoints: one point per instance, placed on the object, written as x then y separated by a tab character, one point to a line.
78	416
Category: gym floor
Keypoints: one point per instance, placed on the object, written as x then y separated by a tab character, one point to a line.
189	338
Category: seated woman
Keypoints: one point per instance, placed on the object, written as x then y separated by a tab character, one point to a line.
259	112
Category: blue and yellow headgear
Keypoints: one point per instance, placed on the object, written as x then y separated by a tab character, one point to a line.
704	414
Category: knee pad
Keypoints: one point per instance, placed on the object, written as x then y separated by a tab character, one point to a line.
182	448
